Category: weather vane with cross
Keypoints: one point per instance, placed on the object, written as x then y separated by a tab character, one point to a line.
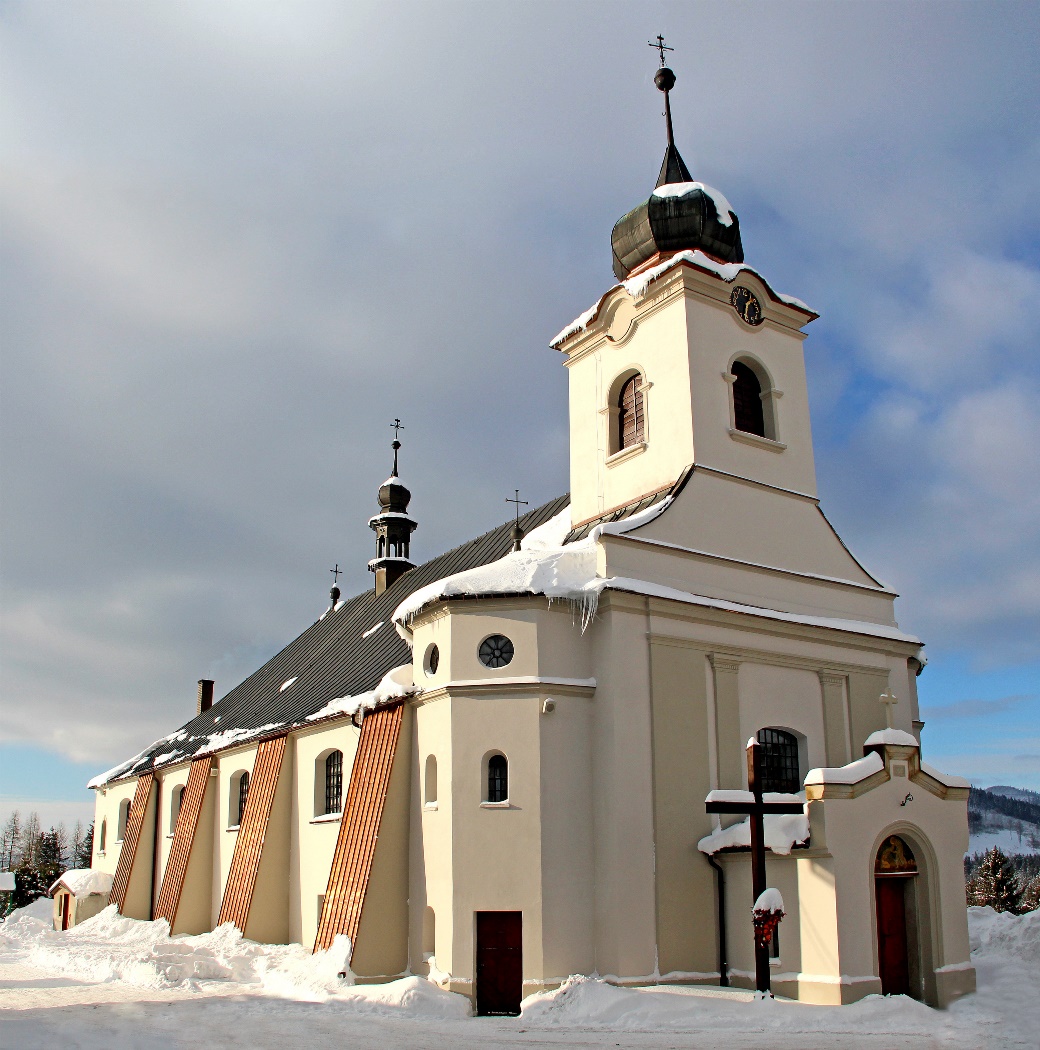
518	533
398	427
661	46
664	78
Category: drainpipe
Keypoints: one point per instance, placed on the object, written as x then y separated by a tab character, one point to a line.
723	961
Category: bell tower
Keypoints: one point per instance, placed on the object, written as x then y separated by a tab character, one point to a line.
392	526
691	360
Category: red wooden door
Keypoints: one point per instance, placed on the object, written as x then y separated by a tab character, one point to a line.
500	962
66	898
890	895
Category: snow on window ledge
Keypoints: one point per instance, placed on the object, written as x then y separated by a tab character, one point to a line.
327	818
498	805
626	453
431	806
757	440
233	827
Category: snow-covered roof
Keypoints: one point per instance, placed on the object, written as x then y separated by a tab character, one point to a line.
946	779
637	286
851	773
81	882
723	209
395	684
339	656
896	737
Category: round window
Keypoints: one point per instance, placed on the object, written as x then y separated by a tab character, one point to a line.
495	651
432	660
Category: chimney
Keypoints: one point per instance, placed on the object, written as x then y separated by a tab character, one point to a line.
205	695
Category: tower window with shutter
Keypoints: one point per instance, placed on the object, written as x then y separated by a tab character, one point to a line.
631	420
748	412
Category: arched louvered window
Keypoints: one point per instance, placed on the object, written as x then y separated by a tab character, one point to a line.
498	779
779	761
748	411
334	782
631	420
243	794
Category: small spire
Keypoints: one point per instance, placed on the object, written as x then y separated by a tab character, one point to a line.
398	427
335	592
672	167
518	533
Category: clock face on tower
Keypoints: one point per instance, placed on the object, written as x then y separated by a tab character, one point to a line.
748	308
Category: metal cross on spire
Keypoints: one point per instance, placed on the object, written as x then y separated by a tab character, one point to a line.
661	46
335	573
518	533
398	427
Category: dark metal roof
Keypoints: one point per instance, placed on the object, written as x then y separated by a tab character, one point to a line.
620	513
332	657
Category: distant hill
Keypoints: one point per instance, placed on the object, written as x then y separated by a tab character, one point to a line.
1022	794
1006	817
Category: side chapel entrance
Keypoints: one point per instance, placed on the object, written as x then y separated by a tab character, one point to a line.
894	871
500	964
66	909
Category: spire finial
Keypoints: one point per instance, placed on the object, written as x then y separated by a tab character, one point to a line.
518	533
664	78
335	592
398	427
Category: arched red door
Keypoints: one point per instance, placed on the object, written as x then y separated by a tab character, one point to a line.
894	867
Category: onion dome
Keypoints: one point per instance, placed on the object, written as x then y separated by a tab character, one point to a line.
679	215
394	495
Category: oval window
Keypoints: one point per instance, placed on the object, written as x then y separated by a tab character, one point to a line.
495	651
433	660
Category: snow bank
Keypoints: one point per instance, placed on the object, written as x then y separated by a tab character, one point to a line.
81	882
1014	937
109	947
723	208
394	684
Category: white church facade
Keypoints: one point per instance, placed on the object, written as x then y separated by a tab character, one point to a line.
491	769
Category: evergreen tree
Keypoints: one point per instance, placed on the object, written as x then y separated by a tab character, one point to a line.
85	853
30	841
1031	894
28	885
994	884
75	844
49	862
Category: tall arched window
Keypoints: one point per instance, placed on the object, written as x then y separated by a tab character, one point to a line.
497	779
237	801
124	816
103	836
779	761
748	411
175	806
430	785
631	419
334	782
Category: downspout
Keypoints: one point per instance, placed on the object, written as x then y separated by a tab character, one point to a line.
723	961
156	847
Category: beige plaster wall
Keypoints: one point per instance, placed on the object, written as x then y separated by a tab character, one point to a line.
313	836
106	808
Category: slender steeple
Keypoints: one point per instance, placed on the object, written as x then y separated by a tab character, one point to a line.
392	526
680	214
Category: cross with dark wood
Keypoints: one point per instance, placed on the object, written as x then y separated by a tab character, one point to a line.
398	427
757	809
519	503
660	45
335	573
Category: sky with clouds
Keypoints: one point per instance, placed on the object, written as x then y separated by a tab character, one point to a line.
239	238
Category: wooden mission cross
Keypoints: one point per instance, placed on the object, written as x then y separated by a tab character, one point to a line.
756	809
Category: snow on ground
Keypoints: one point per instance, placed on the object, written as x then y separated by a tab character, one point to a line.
120	984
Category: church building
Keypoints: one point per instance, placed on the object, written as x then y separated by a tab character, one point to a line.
495	768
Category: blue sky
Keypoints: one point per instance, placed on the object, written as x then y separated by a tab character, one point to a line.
239	238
